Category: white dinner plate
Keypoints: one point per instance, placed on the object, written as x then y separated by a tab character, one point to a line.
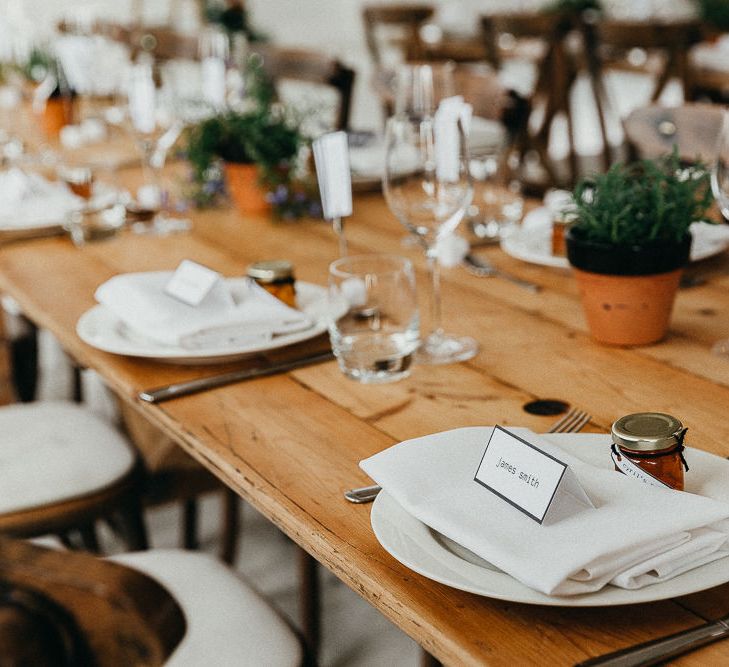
532	241
48	220
101	329
433	555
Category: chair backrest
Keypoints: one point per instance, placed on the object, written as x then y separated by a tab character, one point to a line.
85	610
611	39
312	67
404	20
548	27
694	129
626	35
480	86
163	43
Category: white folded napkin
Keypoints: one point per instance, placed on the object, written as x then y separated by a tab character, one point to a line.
707	239
236	312
28	199
636	535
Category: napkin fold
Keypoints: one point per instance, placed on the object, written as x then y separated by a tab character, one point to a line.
635	536
236	312
28	199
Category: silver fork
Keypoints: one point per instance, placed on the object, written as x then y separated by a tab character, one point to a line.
572	422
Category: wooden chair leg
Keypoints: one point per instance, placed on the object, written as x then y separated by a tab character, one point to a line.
24	365
189	524
89	538
66	540
132	526
77	391
309	594
231	521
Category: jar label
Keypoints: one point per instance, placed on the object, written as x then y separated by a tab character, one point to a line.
626	466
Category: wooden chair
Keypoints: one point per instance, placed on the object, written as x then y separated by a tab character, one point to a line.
162	43
694	129
311	67
64	469
608	44
668	43
555	75
151	608
405	21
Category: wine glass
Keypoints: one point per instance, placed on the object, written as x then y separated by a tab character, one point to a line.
428	187
421	87
720	188
156	128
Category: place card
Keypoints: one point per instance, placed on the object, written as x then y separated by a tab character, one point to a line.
213	81
451	111
529	479
331	155
192	282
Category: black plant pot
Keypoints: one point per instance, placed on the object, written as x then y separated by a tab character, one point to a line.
626	260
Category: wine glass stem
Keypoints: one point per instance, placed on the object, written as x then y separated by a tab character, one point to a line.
338	225
150	172
436	328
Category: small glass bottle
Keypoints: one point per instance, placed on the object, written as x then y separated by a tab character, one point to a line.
276	277
649	447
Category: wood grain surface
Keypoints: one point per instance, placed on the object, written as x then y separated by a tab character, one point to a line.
290	444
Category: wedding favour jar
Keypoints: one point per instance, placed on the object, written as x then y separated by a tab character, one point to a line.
276	277
649	447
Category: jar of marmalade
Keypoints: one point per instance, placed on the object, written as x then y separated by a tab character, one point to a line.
649	447
276	276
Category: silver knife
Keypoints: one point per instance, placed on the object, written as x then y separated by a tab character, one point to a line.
664	648
167	392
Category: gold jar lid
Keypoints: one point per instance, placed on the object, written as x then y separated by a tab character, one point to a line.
271	271
647	431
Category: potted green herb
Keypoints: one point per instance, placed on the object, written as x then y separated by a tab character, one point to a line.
629	244
257	147
44	74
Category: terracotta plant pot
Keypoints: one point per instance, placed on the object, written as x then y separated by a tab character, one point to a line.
58	113
245	190
627	291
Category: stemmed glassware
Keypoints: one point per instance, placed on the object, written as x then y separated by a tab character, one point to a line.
720	188
428	187
156	127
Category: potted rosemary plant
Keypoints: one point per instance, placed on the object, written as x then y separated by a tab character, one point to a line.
257	148
629	244
52	95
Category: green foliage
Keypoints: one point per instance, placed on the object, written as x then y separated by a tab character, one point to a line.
258	136
572	7
715	13
644	202
39	65
235	20
265	134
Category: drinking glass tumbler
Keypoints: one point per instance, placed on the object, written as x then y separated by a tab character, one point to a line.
374	322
